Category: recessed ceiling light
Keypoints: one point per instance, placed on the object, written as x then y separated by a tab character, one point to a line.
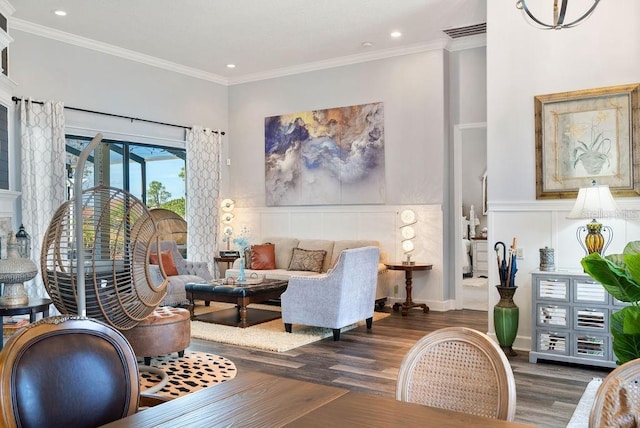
60	12
396	34
231	66
367	44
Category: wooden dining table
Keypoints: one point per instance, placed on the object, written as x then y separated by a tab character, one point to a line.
254	399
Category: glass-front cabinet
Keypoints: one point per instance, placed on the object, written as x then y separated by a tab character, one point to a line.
571	319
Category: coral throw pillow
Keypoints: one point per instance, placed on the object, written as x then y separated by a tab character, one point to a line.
263	256
167	261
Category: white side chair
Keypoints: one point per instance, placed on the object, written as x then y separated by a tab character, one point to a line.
617	402
460	369
344	295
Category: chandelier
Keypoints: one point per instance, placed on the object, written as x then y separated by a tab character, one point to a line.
559	15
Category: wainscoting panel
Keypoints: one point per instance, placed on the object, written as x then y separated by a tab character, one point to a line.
537	224
380	223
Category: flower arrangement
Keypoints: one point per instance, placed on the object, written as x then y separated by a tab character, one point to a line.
241	243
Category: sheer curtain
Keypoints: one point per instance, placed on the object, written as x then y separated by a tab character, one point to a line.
43	174
203	193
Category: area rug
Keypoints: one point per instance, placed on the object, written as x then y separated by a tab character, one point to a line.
193	371
580	417
269	336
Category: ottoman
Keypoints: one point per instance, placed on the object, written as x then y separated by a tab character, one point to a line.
165	331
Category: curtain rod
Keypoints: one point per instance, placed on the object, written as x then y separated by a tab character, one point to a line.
16	99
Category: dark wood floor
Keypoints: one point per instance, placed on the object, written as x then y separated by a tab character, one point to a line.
547	393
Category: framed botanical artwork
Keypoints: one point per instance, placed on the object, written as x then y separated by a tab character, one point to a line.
588	135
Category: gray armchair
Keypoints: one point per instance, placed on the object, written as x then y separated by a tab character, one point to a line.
188	271
343	296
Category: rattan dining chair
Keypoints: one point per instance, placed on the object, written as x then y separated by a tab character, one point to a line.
460	369
617	401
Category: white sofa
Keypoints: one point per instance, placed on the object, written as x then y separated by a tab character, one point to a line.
284	250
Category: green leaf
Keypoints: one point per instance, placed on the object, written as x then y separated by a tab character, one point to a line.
632	247
630	319
613	276
625	346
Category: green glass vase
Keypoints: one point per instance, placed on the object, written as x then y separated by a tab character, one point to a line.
505	319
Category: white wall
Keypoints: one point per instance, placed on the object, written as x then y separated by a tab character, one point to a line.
523	62
412	88
46	69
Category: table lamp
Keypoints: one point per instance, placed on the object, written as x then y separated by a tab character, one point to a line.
14	271
594	202
227	206
408	218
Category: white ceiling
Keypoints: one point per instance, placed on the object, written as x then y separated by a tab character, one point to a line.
263	38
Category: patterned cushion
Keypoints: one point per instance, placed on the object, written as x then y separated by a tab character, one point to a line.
263	257
307	260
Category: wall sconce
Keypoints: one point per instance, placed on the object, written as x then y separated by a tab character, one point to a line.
24	243
408	218
559	15
227	205
594	202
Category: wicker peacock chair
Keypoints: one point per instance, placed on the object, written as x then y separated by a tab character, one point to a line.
117	236
111	279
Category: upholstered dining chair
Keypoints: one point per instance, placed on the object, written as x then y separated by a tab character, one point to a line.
460	369
344	295
617	401
67	371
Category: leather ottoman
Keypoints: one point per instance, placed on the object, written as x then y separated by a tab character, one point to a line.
165	331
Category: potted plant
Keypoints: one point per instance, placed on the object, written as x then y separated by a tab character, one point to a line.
593	155
620	276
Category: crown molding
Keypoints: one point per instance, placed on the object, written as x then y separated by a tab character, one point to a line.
469	42
72	39
6	9
341	61
5	39
7	200
7	87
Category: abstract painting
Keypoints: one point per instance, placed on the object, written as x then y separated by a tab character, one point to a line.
333	156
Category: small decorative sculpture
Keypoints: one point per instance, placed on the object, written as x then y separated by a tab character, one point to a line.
473	222
14	270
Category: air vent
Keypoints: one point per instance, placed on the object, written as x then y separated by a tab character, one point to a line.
471	30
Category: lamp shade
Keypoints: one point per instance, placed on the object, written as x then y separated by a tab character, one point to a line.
227	205
227	218
594	202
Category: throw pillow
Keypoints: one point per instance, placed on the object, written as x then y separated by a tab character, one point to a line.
167	262
309	260
247	258
263	256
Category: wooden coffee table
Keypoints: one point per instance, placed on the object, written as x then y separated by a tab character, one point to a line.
242	296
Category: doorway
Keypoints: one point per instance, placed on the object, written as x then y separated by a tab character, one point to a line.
470	167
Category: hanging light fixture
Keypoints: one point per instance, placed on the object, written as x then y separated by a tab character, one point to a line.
559	14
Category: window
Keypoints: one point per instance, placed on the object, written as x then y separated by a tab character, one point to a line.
154	174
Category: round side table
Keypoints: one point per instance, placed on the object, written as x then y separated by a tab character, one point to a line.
35	306
408	275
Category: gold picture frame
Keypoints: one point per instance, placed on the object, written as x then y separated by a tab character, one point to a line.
586	135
